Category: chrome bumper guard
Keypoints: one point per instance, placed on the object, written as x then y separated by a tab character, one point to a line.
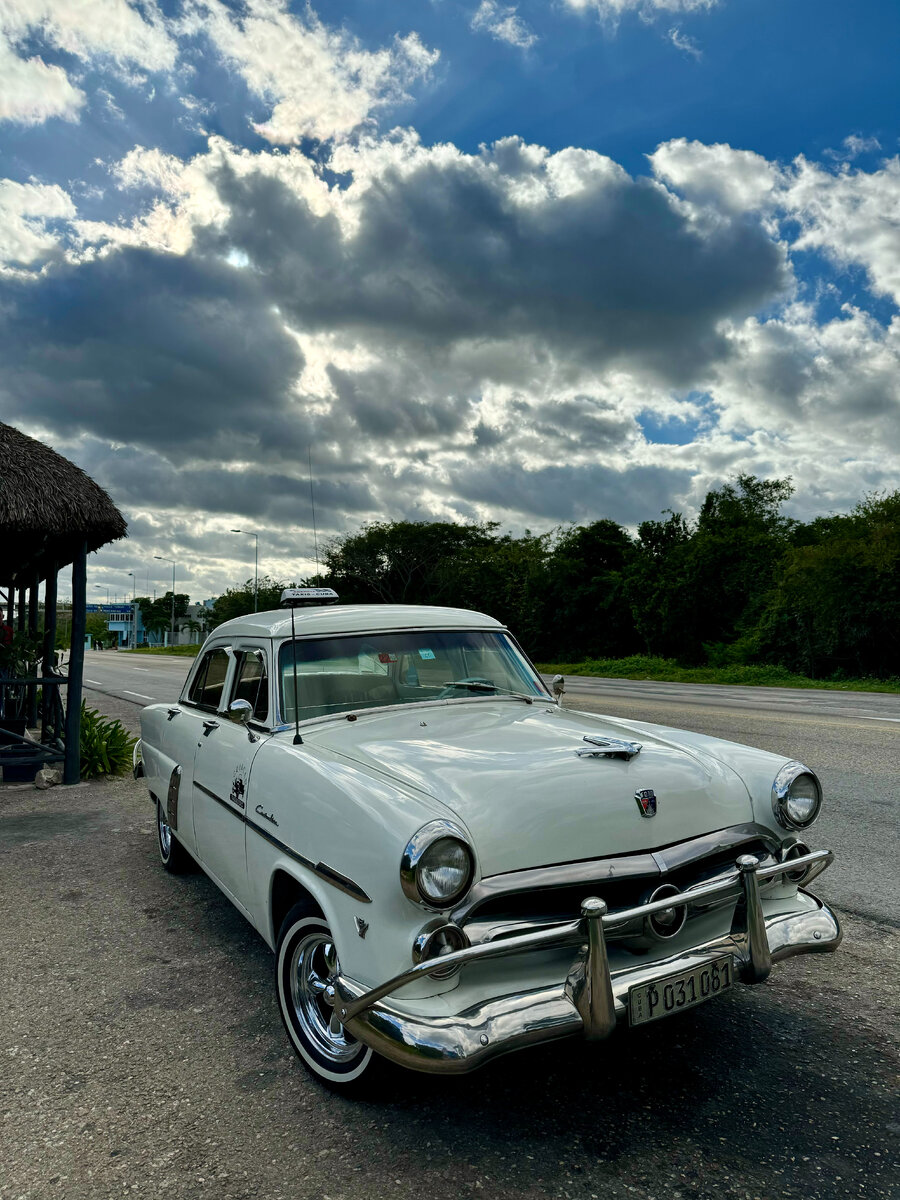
593	999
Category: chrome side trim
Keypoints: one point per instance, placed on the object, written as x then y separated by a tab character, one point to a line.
336	879
342	882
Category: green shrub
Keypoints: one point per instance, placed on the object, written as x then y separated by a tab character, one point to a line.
106	745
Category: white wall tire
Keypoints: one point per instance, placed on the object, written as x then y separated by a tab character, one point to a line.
305	962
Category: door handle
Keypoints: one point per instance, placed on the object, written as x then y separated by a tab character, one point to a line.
209	726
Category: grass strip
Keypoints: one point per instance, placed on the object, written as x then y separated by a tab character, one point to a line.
666	670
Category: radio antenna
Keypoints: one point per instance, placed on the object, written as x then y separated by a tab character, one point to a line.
298	740
312	501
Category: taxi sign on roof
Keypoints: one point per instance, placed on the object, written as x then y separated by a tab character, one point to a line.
307	595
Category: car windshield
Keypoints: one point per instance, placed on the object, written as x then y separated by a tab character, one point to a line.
339	674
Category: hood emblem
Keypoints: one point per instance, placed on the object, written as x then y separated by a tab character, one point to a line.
646	801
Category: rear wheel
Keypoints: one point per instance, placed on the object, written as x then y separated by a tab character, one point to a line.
306	968
174	857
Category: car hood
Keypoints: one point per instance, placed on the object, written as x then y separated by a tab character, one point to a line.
510	773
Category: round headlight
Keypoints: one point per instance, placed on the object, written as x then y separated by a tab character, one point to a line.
437	865
796	796
444	871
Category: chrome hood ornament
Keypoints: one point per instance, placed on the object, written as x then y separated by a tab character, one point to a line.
609	748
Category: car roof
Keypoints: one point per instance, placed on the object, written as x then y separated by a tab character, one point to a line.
353	618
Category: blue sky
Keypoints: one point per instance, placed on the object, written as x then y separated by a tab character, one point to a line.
535	262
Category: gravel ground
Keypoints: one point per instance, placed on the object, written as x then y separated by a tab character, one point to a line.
143	1055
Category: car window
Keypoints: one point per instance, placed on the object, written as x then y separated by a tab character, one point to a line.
206	690
322	676
252	682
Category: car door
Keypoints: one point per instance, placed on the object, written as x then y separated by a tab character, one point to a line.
179	737
222	763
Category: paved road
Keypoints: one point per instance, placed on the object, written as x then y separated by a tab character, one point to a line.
852	739
140	679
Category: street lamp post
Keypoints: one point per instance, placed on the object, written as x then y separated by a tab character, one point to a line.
248	533
133	638
168	560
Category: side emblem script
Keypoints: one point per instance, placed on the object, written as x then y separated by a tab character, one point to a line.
646	801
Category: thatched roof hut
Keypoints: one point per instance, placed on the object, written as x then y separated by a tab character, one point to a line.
48	509
51	514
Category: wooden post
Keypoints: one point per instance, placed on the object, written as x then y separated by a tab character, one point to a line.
33	630
49	663
20	612
72	769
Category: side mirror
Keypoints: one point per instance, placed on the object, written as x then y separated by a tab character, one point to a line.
240	711
558	686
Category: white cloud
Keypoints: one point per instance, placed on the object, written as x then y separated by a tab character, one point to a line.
615	8
732	180
852	216
681	41
854	145
88	28
503	22
25	210
32	92
321	82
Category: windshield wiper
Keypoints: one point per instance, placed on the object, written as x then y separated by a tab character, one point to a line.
477	686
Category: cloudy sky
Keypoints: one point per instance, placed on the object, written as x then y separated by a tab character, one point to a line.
538	262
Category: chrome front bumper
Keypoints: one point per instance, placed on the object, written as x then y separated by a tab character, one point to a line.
594	997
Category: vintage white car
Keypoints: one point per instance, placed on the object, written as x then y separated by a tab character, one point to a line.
448	863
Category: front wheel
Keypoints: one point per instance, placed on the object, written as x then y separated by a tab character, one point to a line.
306	967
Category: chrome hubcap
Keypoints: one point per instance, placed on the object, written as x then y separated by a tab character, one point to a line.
314	965
165	833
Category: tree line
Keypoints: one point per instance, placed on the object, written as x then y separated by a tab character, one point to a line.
743	583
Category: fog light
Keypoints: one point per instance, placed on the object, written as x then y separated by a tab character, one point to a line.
667	921
436	940
797	850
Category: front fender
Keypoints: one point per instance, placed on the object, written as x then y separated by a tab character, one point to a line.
325	820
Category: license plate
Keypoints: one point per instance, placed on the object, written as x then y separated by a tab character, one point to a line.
650	1001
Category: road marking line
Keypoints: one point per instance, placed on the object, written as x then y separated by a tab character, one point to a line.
895	719
95	682
140	668
139	694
